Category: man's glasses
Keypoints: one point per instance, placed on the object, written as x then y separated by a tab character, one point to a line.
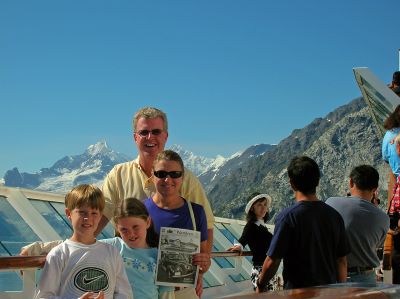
162	174
145	133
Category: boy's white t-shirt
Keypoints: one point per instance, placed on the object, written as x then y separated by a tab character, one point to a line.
73	269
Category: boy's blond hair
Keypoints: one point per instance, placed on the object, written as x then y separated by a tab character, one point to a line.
85	195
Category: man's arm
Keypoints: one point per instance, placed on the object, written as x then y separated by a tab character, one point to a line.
341	267
269	269
110	193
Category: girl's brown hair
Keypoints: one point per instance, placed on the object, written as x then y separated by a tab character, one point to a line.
132	207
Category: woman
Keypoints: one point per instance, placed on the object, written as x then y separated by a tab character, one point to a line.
168	209
256	235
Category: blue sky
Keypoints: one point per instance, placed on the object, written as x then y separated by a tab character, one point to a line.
228	73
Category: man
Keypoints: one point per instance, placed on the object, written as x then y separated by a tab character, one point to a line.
133	178
309	236
366	225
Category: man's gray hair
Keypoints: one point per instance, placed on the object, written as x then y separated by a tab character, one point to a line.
149	112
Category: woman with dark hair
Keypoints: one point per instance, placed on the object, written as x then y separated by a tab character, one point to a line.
256	234
168	208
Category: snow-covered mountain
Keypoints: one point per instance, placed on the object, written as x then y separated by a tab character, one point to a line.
98	159
198	164
90	167
223	167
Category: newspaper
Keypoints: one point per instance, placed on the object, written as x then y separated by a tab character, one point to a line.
175	255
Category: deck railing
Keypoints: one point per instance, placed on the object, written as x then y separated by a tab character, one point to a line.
26	267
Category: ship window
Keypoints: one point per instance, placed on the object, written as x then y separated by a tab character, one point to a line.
14	231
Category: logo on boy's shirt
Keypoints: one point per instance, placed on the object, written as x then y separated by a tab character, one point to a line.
91	279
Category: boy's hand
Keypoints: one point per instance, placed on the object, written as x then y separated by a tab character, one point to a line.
91	295
24	252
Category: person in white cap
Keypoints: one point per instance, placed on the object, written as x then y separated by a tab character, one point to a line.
255	233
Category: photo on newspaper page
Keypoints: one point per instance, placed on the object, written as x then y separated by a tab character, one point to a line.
175	255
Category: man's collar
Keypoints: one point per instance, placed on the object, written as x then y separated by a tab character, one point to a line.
137	163
148	181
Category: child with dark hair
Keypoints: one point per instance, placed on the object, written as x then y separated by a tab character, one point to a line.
255	233
138	248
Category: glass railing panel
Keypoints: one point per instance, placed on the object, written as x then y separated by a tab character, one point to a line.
107	232
229	262
210	281
14	231
10	281
232	236
223	228
60	224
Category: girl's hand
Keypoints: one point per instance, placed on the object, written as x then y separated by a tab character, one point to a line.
202	260
235	248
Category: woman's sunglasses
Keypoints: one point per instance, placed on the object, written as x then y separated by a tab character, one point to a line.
162	174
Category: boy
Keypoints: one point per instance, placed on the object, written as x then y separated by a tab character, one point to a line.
81	267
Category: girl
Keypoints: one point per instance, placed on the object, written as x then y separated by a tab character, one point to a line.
256	233
138	248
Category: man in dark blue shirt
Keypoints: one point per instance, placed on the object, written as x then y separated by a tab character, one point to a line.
309	236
